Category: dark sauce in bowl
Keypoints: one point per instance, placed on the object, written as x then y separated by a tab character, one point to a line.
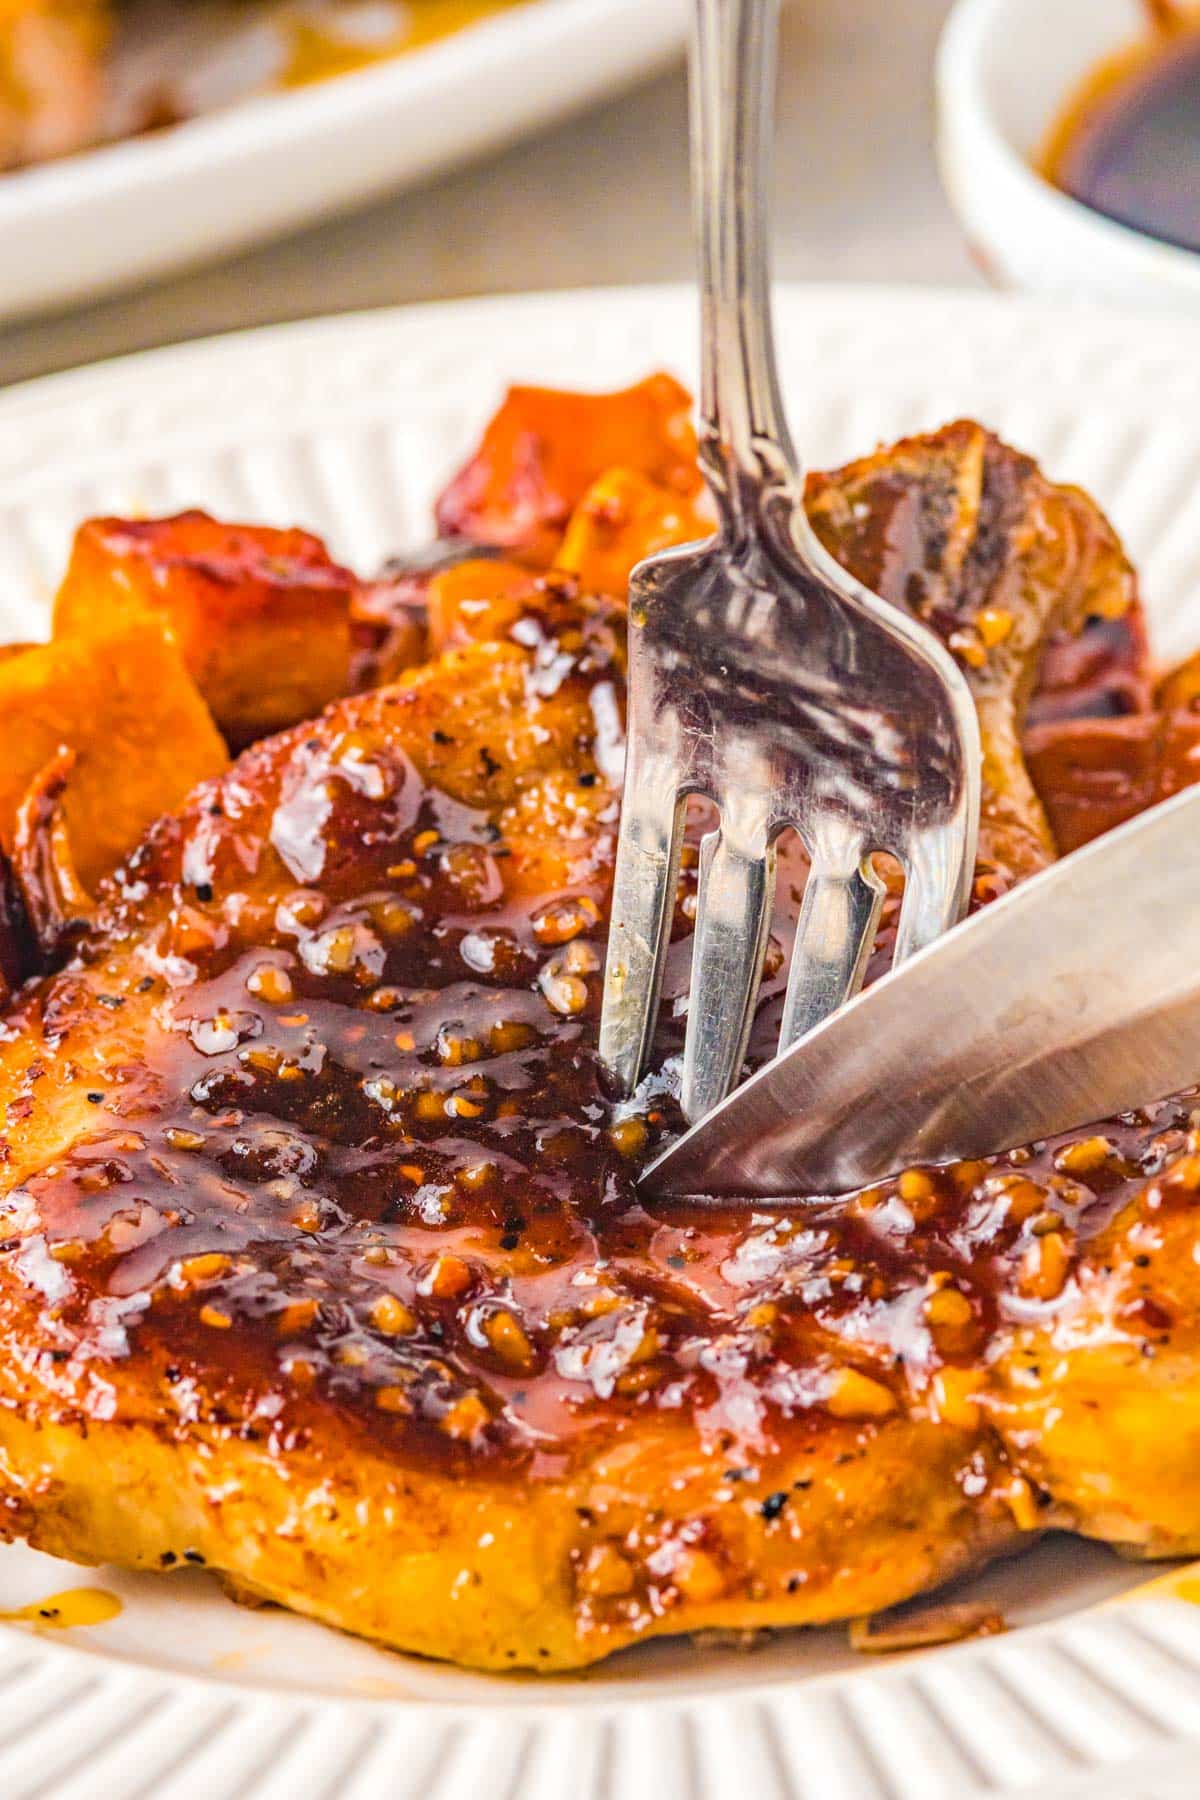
1128	144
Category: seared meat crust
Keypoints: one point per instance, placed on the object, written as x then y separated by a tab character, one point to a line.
322	1260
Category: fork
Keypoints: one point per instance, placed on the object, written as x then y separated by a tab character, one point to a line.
763	676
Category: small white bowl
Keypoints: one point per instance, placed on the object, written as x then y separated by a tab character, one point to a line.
1005	70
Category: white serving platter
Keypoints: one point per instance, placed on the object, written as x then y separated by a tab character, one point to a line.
251	168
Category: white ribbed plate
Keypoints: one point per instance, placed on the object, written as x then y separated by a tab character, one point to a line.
349	426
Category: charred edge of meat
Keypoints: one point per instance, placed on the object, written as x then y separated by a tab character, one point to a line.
19	958
56	904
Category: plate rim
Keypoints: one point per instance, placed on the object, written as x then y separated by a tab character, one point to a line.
989	306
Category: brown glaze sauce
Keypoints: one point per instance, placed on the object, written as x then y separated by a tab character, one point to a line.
1128	143
365	1157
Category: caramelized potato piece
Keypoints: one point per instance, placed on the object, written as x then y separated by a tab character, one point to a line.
261	616
623	517
121	698
544	448
478	600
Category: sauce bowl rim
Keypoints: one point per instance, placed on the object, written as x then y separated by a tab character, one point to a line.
995	189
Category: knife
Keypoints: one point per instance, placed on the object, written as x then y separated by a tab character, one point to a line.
1072	998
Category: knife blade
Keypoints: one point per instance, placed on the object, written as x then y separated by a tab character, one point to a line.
1072	998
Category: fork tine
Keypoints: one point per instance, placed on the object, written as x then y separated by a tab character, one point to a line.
938	871
834	934
644	888
737	884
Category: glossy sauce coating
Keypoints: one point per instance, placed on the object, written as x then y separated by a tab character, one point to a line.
322	1260
364	1154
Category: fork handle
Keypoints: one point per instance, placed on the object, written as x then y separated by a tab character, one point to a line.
745	449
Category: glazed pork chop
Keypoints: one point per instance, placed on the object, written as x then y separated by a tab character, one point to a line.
322	1259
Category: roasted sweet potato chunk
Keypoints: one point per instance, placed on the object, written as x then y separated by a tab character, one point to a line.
478	600
544	448
623	517
261	616
121	698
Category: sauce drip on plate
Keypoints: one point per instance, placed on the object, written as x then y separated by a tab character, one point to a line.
59	1612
